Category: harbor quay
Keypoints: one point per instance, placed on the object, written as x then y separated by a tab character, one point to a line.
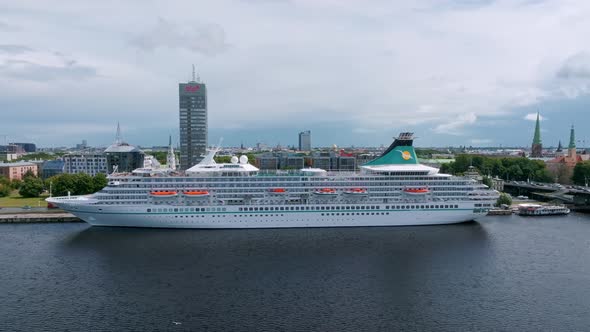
54	217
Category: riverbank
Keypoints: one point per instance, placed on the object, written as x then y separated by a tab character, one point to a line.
22	218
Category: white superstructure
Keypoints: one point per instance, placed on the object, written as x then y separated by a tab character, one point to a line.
391	190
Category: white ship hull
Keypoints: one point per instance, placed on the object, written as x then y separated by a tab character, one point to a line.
129	216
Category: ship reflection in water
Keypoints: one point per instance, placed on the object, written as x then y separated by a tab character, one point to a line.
502	273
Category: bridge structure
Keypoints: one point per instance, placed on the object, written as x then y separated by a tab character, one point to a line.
575	199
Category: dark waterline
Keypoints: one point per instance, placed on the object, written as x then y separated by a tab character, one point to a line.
502	273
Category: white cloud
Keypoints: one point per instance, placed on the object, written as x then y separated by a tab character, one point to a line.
455	125
378	65
208	39
533	117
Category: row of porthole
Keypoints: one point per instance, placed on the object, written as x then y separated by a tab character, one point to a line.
235	216
282	215
356	214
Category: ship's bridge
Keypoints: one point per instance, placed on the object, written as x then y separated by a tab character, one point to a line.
399	170
208	167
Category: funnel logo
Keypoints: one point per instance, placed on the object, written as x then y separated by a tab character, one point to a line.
406	155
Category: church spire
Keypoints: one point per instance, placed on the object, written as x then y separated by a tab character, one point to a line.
572	139
537	147
537	137
171	157
118	139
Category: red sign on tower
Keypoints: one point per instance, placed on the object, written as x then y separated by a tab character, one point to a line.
193	88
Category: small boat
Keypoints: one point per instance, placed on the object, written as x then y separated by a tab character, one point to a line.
416	191
356	192
277	190
196	193
163	194
541	210
326	192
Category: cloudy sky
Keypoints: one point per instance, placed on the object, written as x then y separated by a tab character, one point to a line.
456	72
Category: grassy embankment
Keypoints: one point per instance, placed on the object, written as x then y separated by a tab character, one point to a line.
15	200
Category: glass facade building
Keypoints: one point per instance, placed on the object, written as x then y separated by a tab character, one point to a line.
305	141
193	123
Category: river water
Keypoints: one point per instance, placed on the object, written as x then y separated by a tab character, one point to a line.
501	273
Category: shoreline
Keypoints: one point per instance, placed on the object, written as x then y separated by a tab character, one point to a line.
36	217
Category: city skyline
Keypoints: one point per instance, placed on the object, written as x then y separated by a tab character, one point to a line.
70	71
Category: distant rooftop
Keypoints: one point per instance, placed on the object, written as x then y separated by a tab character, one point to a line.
122	147
18	163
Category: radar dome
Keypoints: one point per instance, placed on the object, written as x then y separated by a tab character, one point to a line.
234	160
243	159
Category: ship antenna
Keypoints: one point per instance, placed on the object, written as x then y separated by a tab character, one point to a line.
193	73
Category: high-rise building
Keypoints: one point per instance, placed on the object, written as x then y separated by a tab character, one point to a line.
537	147
27	147
305	140
193	122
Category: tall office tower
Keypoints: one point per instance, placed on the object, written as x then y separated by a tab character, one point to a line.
193	121
305	140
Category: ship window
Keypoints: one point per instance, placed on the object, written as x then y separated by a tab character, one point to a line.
149	210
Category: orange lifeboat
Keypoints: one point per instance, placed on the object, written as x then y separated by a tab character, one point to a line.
326	192
163	193
196	193
356	191
416	191
277	190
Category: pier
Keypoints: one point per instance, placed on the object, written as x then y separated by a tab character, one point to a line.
575	199
21	218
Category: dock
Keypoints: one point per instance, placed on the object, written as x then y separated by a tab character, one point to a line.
22	218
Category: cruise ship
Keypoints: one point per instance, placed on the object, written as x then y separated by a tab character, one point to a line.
392	190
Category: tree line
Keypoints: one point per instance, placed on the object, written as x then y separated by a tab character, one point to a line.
60	185
508	168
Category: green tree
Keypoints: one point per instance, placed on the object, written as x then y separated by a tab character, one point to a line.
4	190
462	162
31	187
62	184
16	183
76	184
29	174
99	181
504	199
83	184
581	173
487	181
514	173
5	187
